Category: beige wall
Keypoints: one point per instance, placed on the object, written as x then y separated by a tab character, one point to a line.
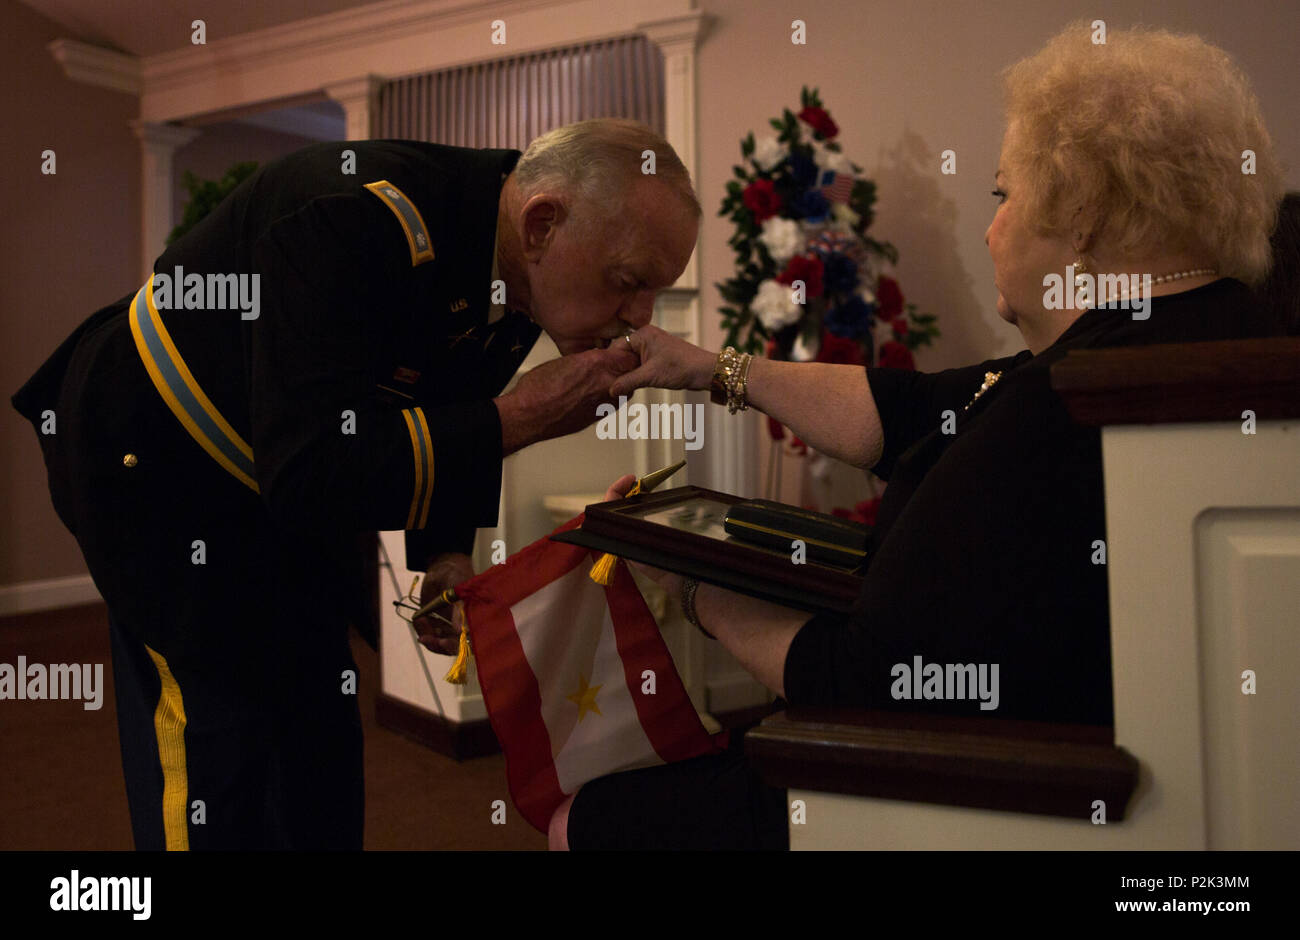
905	80
69	248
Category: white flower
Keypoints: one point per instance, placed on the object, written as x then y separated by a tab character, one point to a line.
845	216
802	351
820	154
828	159
774	306
783	239
841	164
819	465
768	152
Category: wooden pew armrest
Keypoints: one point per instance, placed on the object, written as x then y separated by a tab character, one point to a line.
1025	767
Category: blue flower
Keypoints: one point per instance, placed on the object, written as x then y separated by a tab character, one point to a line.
851	319
802	168
811	205
841	274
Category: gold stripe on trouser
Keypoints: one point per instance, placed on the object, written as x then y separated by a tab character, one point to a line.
169	725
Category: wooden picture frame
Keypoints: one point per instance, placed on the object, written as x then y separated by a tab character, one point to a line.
680	530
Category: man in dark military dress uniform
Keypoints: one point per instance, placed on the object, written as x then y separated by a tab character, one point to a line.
218	465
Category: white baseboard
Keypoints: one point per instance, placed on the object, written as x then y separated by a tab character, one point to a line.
48	594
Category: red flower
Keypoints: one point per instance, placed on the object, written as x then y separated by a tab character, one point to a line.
867	509
839	350
899	325
776	429
820	121
889	298
760	197
806	268
896	356
864	512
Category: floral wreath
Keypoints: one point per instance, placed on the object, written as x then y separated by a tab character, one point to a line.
808	282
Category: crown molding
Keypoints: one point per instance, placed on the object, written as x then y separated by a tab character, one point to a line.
163	137
95	65
676	34
404	37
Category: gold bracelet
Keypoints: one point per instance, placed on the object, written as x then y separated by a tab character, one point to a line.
737	397
723	372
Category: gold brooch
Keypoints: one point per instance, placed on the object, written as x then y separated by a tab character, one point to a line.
990	379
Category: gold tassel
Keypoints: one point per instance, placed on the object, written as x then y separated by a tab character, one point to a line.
458	674
602	572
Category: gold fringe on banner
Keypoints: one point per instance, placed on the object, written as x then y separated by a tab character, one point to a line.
458	674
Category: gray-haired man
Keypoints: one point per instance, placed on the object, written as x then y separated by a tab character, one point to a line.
216	468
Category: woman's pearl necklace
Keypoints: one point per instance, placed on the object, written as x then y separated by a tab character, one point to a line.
1163	279
1196	272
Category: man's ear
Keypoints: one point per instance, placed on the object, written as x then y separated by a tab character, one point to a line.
543	213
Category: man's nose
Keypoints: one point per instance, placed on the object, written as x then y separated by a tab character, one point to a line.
641	311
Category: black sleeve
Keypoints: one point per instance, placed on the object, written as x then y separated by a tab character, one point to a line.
331	282
912	404
423	545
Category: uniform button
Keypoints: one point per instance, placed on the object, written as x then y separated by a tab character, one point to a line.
130	460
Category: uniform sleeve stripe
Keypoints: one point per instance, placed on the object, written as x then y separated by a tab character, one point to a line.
191	383
417	451
428	475
181	391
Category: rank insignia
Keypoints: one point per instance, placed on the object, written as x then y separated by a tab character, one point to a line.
417	236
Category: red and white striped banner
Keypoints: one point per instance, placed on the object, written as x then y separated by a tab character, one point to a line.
566	667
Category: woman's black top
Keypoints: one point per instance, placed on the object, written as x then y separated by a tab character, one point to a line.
987	545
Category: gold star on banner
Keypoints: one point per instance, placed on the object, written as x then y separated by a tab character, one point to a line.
585	698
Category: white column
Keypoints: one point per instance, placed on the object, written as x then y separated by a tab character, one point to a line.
157	144
360	100
729	461
677	38
729	458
